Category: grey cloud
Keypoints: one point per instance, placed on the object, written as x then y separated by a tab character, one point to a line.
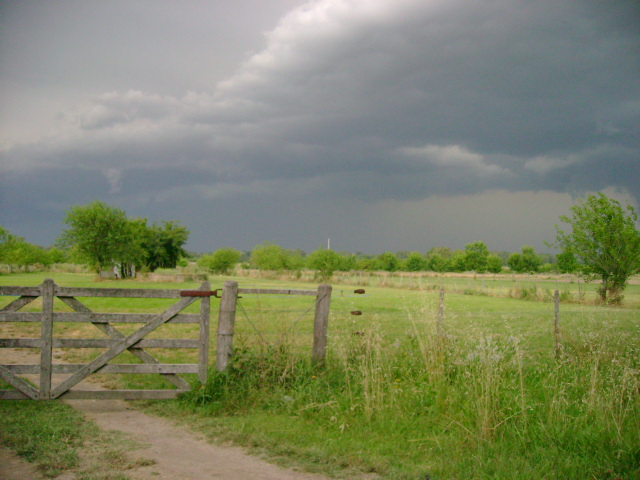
378	101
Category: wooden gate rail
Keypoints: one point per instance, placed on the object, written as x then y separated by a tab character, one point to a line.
117	342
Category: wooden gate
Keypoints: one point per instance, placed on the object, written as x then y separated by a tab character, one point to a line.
116	343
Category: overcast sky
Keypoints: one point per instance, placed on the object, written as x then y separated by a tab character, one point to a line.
384	125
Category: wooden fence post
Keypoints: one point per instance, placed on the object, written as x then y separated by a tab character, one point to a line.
321	324
226	325
46	337
203	356
556	298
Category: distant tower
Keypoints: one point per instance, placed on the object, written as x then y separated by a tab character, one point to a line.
328	244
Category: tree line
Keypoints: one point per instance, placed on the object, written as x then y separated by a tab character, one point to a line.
475	257
603	244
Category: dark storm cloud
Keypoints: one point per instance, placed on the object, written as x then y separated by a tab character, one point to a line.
370	101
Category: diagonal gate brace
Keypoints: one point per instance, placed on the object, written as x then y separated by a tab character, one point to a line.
121	346
114	333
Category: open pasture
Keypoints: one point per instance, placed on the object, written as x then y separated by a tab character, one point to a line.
485	399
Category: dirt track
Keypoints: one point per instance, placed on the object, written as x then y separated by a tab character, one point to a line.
175	453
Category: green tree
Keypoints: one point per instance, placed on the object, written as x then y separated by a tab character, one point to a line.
526	262
439	263
606	241
416	262
494	263
458	261
269	256
221	261
97	233
164	245
387	261
476	255
325	261
15	251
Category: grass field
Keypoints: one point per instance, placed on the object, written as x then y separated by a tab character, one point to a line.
485	399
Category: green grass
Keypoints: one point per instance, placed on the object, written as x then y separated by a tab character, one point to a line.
58	439
487	399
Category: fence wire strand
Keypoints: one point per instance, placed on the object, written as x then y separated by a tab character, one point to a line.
284	335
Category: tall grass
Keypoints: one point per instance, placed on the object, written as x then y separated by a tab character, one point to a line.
458	406
485	399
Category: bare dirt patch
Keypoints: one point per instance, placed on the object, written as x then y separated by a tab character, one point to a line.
164	450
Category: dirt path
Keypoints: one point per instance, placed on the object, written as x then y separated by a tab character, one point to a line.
175	452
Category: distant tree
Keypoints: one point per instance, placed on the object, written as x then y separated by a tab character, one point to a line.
221	261
459	261
349	262
387	261
294	260
445	252
97	233
476	255
494	263
325	262
605	240
16	252
164	244
268	256
526	262
416	262
439	263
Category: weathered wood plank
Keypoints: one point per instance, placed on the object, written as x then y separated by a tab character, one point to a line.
321	324
19	383
122	346
20	291
14	395
96	317
226	325
112	342
17	304
20	343
118	292
121	394
46	352
99	343
270	291
66	368
203	353
20	316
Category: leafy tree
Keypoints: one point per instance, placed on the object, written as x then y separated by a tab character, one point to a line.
349	262
221	261
268	256
15	251
131	254
526	262
476	255
494	263
387	261
416	262
97	232
605	240
459	261
325	262
164	245
294	260
439	263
